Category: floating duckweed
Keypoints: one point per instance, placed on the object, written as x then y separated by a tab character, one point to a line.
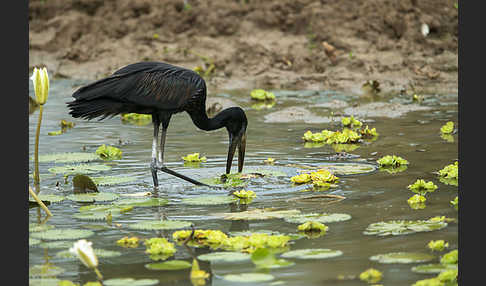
159	248
159	224
224	256
446	277
370	275
368	133
455	202
230	180
269	160
421	187
351	122
62	233
450	258
417	201
345	136
319	178
402	257
402	227
55	133
391	161
260	94
244	194
194	157
75	157
449	174
66	124
201	237
137	119
128	242
437	245
169	265
108	152
312	226
447	128
256	240
312	253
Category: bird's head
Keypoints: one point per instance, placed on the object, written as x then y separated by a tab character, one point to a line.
236	124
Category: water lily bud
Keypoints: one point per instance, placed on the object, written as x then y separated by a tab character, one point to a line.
40	79
83	250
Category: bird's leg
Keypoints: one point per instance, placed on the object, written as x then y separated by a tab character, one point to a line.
162	146
153	164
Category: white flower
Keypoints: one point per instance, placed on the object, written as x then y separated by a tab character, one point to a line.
40	79
83	250
425	29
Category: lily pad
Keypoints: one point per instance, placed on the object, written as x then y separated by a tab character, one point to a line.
45	270
48	198
56	244
402	257
93	197
316	253
74	157
401	227
35	227
159	224
258	214
130	282
249	277
95	215
224	256
33	241
209	200
112	180
433	268
142	202
100	253
44	282
62	233
79	169
322	218
169	265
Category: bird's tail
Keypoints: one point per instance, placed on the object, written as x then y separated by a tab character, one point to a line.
89	109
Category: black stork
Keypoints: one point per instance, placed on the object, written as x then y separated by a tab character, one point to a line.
160	89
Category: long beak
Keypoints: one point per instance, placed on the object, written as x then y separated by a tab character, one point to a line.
231	151
241	152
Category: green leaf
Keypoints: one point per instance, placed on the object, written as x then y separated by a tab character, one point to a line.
108	152
62	233
322	218
130	282
93	197
447	128
79	169
100	253
224	256
402	257
33	241
159	224
45	270
209	200
433	268
402	227
113	180
142	202
265	258
169	265
35	227
248	277
316	253
74	157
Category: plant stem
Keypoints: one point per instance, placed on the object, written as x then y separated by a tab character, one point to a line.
98	273
43	206
36	152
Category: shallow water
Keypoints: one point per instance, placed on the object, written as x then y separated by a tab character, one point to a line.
370	197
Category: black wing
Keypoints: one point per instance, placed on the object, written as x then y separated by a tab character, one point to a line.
150	85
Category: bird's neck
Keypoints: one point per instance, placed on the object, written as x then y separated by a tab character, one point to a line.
202	121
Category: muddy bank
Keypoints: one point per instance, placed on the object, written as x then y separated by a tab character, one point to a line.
301	44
